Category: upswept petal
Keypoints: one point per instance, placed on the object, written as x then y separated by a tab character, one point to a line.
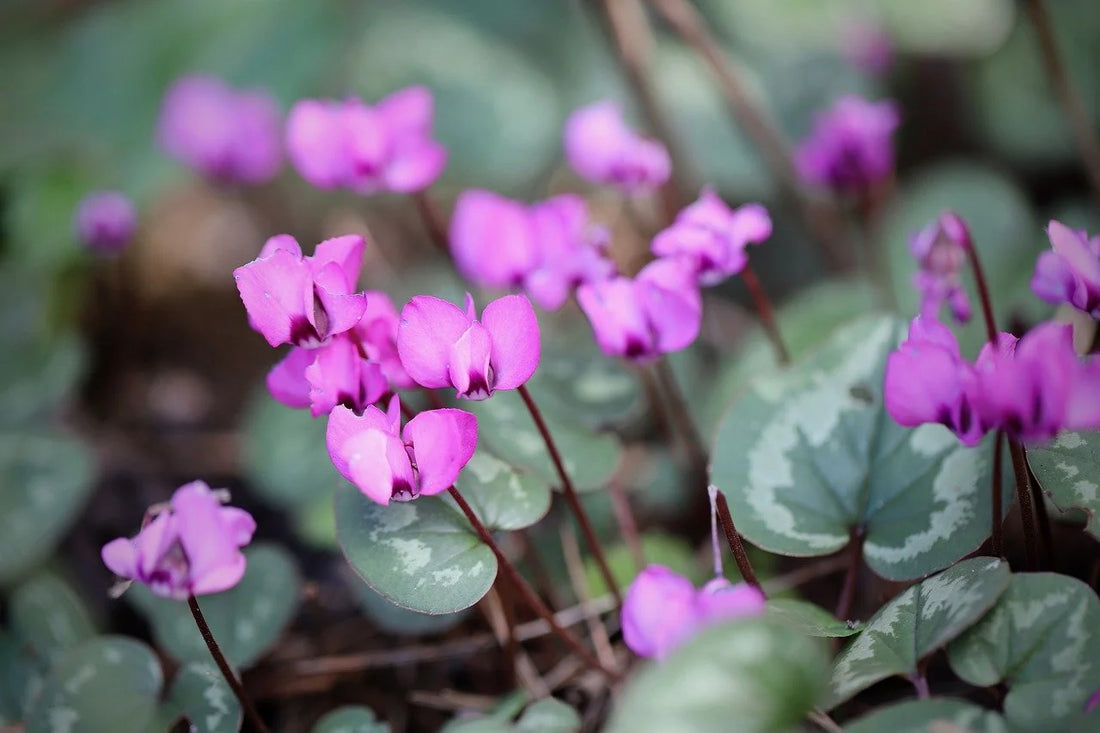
281	241
443	441
378	464
616	316
492	239
1074	248
408	111
215	562
346	252
343	424
416	167
287	381
315	140
428	328
274	291
658	612
514	330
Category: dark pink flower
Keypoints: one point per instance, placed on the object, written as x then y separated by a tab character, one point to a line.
349	144
850	147
388	463
714	236
191	548
299	300
376	333
940	250
662	609
105	221
602	149
443	346
222	133
656	312
1071	272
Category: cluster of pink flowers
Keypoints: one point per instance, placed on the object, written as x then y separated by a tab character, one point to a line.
105	222
940	250
849	149
602	149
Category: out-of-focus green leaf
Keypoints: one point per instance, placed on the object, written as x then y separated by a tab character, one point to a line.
1067	469
919	716
351	719
200	693
48	615
809	619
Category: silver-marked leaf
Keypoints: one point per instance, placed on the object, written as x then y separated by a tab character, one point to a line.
1042	639
809	619
394	619
105	685
916	622
808	454
44	481
49	616
20	675
351	719
246	619
506	429
920	716
548	716
501	496
422	555
1068	469
35	377
200	694
751	673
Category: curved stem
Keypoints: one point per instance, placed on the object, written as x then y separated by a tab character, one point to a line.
223	665
526	591
571	497
998	544
737	547
766	313
1023	498
983	292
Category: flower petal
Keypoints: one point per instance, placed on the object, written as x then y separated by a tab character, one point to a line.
346	252
416	168
215	561
514	329
287	381
274	291
343	425
429	327
492	239
658	612
315	139
443	441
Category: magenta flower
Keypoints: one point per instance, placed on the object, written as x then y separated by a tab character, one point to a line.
547	249
105	221
349	144
388	463
940	250
658	311
714	236
928	381
442	346
662	610
224	134
850	147
1092	702
377	336
299	300
1071	272
603	150
190	548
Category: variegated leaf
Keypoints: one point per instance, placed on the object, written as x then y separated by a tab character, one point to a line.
1068	469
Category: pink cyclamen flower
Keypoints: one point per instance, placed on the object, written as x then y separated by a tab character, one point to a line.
376	333
222	133
868	46
335	373
1071	272
850	147
105	221
928	381
443	346
547	249
349	144
658	311
191	548
602	149
940	250
388	463
299	300
714	236
662	609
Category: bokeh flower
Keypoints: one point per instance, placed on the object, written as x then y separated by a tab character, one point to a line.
850	148
940	250
105	221
1070	273
602	149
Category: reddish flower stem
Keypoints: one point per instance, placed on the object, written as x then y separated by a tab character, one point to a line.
737	547
528	593
433	221
851	577
571	497
215	651
766	313
983	292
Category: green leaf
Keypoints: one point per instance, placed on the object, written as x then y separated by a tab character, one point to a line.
48	615
105	685
501	496
35	377
752	671
809	619
246	620
506	429
918	621
1067	469
394	619
1042	639
20	675
44	481
809	453
548	715
920	716
350	719
201	694
422	555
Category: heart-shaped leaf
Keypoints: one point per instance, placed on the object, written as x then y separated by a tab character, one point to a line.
1042	639
44	481
1068	469
246	620
351	719
809	619
919	620
110	683
921	716
548	716
752	671
809	454
394	619
49	616
200	694
501	496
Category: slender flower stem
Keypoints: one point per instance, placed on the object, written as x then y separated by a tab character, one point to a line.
433	221
1081	125
526	591
920	684
666	383
737	547
983	292
628	526
223	665
1046	541
571	497
997	500
766	313
851	577
1023	498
